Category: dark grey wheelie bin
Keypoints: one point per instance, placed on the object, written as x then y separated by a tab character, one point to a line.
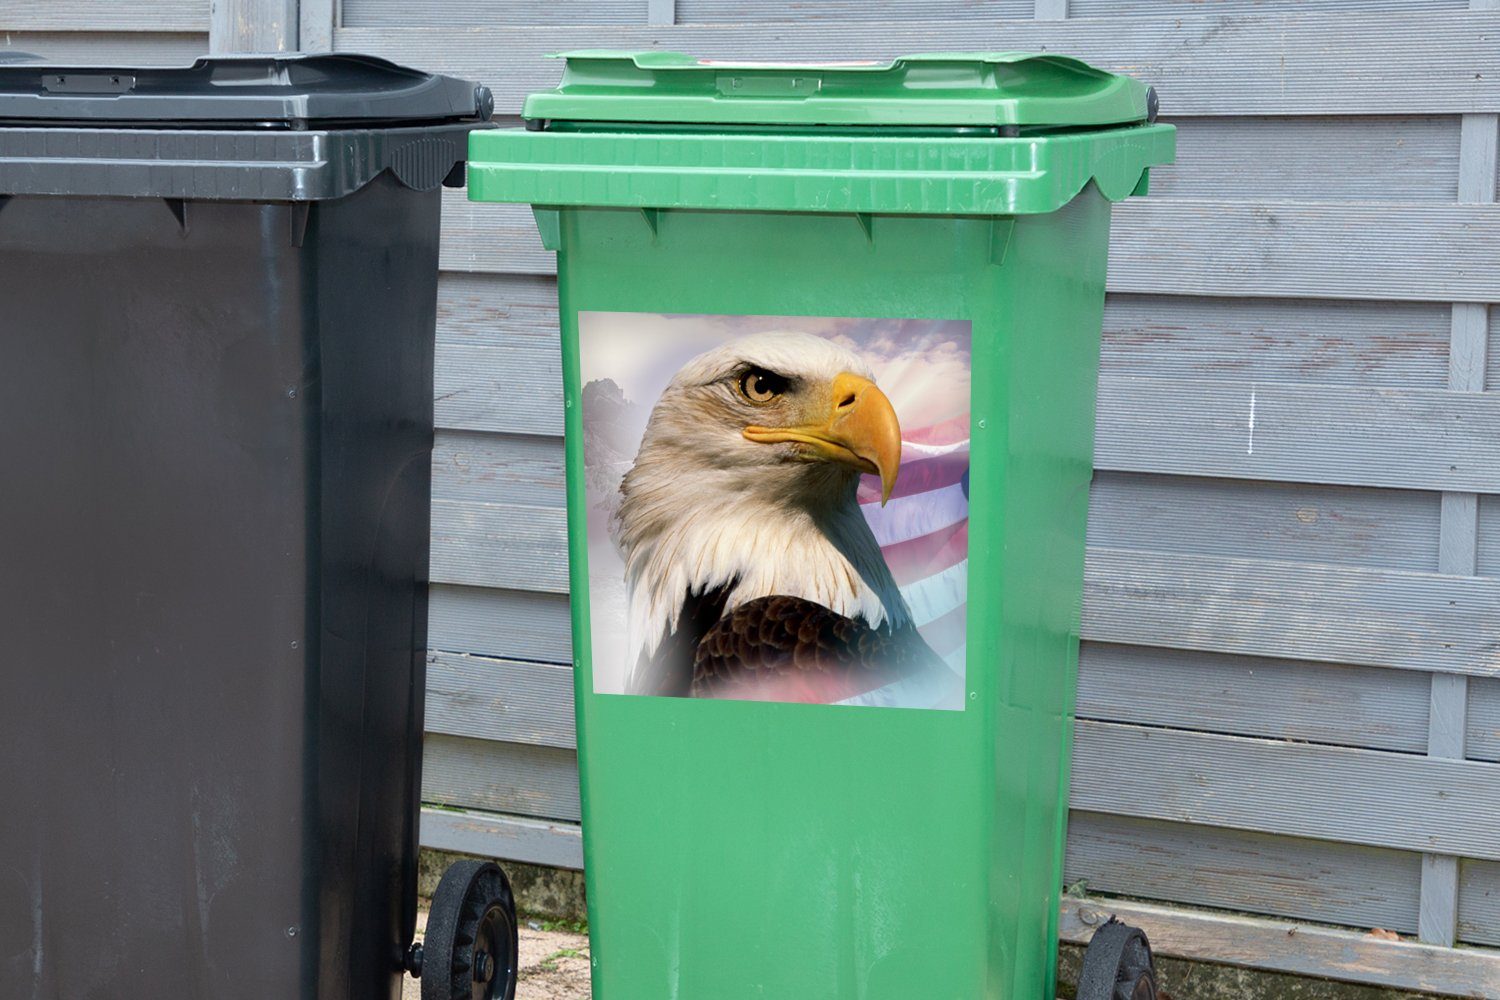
217	307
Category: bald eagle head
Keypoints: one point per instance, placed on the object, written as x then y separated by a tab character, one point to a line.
745	487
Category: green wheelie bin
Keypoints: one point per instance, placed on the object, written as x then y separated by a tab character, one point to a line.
830	339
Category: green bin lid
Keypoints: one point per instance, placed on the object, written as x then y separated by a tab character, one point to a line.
942	89
999	134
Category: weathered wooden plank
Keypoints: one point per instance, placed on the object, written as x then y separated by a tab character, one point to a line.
1382	618
529	702
1387	344
1458	536
491	238
1254	696
1470	344
511	13
512	838
1302	949
1449	695
1297	789
1492	355
1256	607
483	317
1357	436
661	12
483	388
1157	8
1337	525
512	701
1250	341
1480	145
117	48
92	16
491	622
1479	903
845	11
1332	793
1253	872
1437	917
1446	716
510	311
1200	935
1341	525
316	23
253	26
1458	543
498	468
499	364
1179	246
1487	555
493	545
1361	250
513	778
1401	158
1482	734
1384	63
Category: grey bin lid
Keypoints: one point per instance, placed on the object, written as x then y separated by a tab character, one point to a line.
251	128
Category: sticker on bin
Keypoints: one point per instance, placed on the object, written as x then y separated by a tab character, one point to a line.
777	507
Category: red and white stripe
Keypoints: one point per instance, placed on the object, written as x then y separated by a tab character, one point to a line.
924	535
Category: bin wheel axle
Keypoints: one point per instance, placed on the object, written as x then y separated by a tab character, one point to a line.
1117	965
470	951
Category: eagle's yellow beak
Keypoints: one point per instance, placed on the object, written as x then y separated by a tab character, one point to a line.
861	430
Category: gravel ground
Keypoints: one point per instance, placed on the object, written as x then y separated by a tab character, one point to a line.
554	965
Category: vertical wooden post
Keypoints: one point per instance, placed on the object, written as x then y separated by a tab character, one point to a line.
661	11
1458	539
317	22
253	26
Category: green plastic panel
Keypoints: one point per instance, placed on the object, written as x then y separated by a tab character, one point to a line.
979	88
817	172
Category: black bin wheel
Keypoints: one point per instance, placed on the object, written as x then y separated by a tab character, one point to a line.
470	950
1117	965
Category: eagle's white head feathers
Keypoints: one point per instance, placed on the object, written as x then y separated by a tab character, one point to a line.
746	478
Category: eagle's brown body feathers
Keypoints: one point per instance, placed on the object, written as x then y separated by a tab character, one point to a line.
792	649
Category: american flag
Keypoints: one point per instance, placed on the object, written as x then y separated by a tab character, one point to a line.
924	534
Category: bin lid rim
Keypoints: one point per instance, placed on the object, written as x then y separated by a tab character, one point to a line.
668	60
298	90
932	89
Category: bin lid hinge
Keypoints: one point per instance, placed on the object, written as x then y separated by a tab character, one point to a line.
178	208
1000	232
301	213
548	226
867	223
653	221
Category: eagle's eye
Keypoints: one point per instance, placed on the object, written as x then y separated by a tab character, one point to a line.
761	386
